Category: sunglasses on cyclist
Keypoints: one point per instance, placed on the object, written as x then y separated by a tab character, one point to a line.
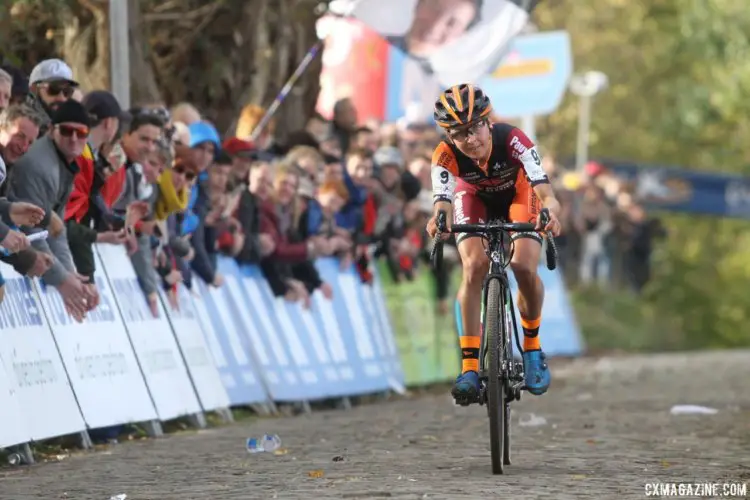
57	88
70	131
462	134
189	175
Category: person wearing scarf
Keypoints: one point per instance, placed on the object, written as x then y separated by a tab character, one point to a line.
171	199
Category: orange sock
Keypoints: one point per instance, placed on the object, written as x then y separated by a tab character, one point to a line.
531	334
469	353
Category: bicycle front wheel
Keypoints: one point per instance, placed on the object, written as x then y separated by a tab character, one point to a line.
494	329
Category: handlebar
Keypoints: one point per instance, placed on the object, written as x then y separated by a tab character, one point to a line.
436	256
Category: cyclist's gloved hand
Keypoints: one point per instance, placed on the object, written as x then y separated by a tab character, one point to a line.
548	221
432	227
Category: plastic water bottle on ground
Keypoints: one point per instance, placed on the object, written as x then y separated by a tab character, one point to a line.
268	443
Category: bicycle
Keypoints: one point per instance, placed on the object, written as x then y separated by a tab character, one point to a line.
501	377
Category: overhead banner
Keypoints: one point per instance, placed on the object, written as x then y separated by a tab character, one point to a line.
533	76
355	60
456	40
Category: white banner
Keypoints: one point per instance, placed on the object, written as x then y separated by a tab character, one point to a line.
100	360
155	346
12	426
200	362
35	372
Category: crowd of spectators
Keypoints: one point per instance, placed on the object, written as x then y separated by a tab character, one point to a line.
608	237
164	184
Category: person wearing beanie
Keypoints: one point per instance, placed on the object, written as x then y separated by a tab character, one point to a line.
44	177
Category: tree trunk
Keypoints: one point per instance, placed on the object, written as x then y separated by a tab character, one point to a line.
86	43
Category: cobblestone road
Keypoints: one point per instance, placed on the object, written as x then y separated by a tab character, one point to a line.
608	432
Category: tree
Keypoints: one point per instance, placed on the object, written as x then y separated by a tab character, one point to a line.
218	55
679	76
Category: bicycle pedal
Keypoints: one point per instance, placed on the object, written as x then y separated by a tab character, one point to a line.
465	399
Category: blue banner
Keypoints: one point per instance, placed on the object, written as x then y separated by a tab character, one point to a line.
680	190
353	322
559	333
279	372
533	76
235	362
283	324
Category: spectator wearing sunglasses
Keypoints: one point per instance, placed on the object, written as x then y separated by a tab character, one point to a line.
83	213
51	83
44	177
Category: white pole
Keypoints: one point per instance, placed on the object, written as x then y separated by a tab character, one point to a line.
528	125
584	130
119	51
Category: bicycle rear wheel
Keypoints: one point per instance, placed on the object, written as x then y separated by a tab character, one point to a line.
496	397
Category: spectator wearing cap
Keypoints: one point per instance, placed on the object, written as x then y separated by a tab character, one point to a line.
395	179
44	177
51	83
242	153
83	209
205	144
19	128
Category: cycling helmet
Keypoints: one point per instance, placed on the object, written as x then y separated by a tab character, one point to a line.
461	105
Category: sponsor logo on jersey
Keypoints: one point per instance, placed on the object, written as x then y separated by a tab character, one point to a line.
459	217
517	149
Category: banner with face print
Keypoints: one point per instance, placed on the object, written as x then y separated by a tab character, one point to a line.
454	40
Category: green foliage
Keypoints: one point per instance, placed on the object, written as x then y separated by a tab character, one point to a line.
679	80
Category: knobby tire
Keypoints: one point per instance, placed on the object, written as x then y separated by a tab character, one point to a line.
494	328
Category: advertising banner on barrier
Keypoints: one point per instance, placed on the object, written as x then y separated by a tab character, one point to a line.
32	363
240	375
412	308
270	353
155	346
560	335
303	335
99	359
198	358
12	426
352	320
384	341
